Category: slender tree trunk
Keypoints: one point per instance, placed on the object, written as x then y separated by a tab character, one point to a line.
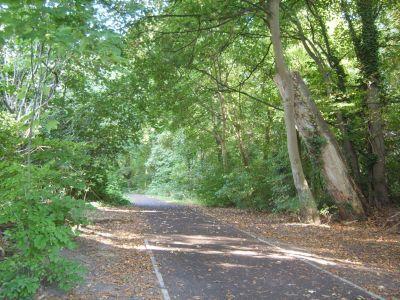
242	148
377	142
219	136
223	112
267	136
222	154
285	85
235	118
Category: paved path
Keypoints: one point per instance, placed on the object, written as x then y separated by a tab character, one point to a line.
198	258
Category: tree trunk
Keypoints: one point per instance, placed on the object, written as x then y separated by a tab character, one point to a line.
375	128
219	136
366	46
323	147
334	63
224	150
348	147
222	154
242	148
285	84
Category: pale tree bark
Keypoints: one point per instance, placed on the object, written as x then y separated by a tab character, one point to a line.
321	144
285	84
32	84
323	147
339	86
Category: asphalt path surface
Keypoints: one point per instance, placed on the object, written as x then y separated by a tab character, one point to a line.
197	257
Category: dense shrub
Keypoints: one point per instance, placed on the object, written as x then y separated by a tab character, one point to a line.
40	187
110	189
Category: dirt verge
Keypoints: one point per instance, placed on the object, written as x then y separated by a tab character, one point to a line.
112	250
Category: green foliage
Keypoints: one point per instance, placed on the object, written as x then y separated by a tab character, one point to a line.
283	195
315	145
168	166
179	106
9	138
237	190
66	124
183	83
114	184
176	167
40	202
287	205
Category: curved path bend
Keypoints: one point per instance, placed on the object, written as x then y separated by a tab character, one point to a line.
196	257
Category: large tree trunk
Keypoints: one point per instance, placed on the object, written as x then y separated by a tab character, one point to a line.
323	147
366	46
334	63
284	82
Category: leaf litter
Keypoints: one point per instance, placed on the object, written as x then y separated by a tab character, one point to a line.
112	250
362	252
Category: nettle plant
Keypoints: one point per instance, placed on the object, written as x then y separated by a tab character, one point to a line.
39	205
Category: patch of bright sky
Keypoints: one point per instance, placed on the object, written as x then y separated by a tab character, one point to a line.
332	24
118	20
2	7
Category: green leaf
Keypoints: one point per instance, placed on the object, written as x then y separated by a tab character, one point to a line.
51	124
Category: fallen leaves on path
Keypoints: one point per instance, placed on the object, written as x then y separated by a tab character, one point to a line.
111	249
362	252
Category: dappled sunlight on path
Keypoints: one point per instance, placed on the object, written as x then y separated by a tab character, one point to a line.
201	257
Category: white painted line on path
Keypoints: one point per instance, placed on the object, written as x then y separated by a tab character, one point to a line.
269	243
160	279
